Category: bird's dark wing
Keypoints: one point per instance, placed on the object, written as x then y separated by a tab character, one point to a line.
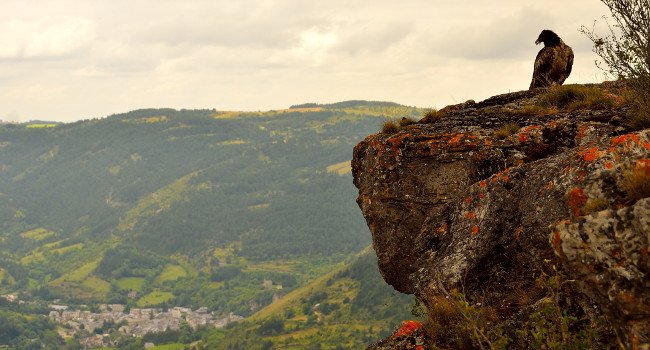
569	63
543	65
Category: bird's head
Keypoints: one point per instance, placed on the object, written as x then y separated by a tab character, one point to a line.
548	37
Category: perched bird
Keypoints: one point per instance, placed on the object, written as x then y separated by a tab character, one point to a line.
553	63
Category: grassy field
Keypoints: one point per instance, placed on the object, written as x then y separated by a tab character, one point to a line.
232	142
69	248
41	126
340	168
288	266
171	273
131	283
33	256
52	245
97	284
38	253
37	234
155	298
81	273
174	346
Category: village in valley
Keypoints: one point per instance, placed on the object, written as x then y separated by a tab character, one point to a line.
92	328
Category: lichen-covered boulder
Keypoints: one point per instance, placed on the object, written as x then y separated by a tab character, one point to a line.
452	206
607	254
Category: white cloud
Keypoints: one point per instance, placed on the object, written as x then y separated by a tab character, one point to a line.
314	44
70	59
45	37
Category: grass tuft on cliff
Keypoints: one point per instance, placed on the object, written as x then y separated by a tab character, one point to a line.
636	181
595	205
639	98
390	126
457	322
406	121
506	130
574	97
432	115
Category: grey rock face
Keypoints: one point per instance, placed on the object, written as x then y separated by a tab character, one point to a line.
450	205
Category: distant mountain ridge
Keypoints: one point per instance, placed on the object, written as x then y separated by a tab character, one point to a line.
348	104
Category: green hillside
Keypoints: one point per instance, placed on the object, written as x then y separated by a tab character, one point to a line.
346	308
190	207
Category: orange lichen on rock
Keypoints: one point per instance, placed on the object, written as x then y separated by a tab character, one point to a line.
518	232
455	141
591	154
496	177
470	215
407	329
609	165
377	146
442	229
523	137
624	140
474	230
557	240
577	199
483	184
530	128
433	145
396	141
582	131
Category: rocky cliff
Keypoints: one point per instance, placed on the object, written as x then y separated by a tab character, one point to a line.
521	221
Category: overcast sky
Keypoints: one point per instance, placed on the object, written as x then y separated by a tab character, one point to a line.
74	59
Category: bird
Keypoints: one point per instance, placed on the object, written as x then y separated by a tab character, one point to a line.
553	63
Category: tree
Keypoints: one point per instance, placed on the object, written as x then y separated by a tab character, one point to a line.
626	50
271	327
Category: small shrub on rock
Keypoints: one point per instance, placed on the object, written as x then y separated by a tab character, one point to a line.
575	97
432	116
506	130
457	323
636	181
389	126
407	121
595	205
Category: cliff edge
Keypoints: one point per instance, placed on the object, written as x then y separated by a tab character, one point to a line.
518	222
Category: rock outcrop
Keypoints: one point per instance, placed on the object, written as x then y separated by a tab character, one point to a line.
453	205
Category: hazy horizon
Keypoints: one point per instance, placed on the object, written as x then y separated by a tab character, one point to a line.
71	60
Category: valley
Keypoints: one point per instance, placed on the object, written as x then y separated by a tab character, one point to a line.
233	212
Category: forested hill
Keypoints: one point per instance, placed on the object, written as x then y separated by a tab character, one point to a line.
93	208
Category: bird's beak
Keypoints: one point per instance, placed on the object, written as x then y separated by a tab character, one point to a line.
537	42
